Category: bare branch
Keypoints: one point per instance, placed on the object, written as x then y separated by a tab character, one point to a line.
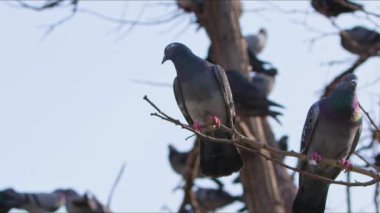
330	87
132	22
255	146
117	180
192	170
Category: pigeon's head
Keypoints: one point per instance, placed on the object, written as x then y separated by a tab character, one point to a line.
263	31
172	151
173	50
348	82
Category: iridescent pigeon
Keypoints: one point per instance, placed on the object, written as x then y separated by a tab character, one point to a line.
332	8
204	96
332	130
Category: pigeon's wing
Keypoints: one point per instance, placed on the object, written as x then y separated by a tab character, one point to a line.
309	126
221	77
356	140
180	101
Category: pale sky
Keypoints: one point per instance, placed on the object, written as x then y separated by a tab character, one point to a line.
70	113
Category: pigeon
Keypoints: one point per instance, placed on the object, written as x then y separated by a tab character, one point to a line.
248	97
256	42
283	143
203	95
264	81
178	160
213	199
88	203
190	5
178	163
332	130
255	45
361	41
31	202
333	8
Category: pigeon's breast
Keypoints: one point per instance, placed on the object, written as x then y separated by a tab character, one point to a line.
202	99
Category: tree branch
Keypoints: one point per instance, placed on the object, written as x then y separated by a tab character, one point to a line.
255	146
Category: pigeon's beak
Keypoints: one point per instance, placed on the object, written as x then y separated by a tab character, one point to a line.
354	83
164	59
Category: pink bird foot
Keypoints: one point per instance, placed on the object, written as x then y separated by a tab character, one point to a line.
347	165
315	158
216	121
197	127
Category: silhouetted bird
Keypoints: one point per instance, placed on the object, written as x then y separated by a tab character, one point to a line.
332	8
361	41
213	199
31	202
87	203
248	97
257	42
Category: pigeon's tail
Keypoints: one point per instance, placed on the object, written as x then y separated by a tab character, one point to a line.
348	7
272	103
265	112
311	199
219	159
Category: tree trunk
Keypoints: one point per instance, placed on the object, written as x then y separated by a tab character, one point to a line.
267	186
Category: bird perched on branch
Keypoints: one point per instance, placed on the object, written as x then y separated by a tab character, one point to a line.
264	81
213	199
332	130
31	202
88	203
250	97
257	42
332	8
361	41
204	96
255	45
178	162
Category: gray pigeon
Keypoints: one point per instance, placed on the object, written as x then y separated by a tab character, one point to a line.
178	162
212	199
332	8
361	41
335	119
203	95
250	99
256	42
31	202
87	203
264	83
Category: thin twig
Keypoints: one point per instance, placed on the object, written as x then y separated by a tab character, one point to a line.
369	118
256	147
117	180
348	193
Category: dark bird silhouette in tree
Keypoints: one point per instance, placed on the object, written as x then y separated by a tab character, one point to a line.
264	81
203	95
332	130
361	41
333	8
255	45
88	203
250	98
31	202
213	199
257	42
178	161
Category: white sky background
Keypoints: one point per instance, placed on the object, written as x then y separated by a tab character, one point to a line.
70	113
